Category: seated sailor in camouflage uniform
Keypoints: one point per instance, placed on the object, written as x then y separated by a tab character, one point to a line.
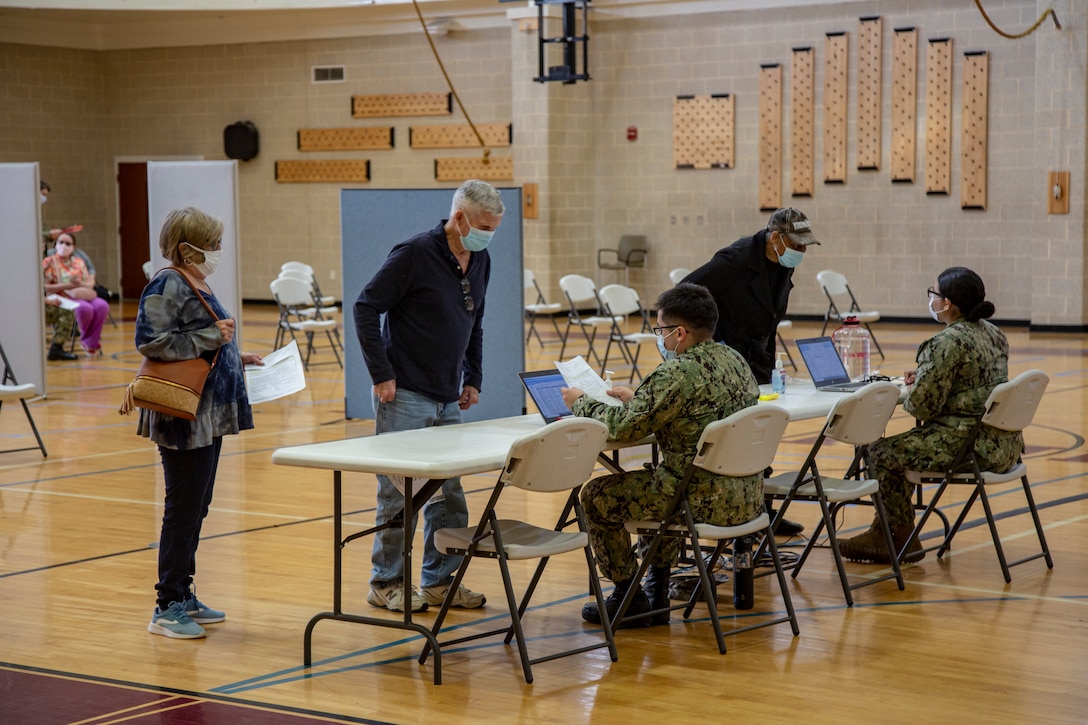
957	369
699	382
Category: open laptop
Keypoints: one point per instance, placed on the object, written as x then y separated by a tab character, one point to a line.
543	387
825	366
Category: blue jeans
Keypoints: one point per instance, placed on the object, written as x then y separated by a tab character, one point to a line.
447	508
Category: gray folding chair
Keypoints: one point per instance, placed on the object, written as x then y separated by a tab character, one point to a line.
10	389
841	304
294	297
676	276
539	307
740	445
581	294
858	420
1010	407
558	457
619	303
630	252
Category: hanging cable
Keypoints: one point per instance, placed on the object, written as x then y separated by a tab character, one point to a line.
453	91
1049	11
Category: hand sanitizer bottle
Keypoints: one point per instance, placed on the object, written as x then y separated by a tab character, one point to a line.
608	379
778	376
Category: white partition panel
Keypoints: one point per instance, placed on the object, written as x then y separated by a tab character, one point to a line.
212	187
22	326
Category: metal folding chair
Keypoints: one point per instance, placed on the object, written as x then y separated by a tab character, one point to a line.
1010	407
559	457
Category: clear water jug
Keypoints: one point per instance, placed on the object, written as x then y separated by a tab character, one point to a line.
852	341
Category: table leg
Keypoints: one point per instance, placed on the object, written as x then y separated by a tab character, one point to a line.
337	578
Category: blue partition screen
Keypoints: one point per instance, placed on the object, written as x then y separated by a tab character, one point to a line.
373	221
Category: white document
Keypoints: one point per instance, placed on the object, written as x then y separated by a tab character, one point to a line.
282	374
66	303
579	374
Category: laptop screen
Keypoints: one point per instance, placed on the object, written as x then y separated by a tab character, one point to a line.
823	361
544	387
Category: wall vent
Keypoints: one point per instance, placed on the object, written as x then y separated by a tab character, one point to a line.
327	73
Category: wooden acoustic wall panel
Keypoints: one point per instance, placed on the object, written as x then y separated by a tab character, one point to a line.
459	136
770	137
973	148
345	139
870	71
498	168
703	131
401	104
939	116
904	104
836	69
802	122
338	170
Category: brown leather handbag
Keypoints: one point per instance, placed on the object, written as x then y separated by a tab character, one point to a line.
173	388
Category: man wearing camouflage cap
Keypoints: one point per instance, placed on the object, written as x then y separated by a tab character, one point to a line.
751	281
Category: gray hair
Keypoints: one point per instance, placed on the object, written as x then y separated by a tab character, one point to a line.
477	196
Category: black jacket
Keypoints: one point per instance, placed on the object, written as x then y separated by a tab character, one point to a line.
752	293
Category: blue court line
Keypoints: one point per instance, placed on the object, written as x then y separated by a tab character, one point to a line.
302	672
284	675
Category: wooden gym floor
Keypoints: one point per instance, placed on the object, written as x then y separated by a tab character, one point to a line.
78	532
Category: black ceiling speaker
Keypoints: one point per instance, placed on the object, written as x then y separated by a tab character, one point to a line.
241	140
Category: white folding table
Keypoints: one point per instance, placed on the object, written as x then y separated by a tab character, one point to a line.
436	454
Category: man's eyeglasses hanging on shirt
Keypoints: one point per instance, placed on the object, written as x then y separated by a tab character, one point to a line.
466	289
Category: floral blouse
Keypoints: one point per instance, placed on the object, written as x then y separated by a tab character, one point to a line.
57	271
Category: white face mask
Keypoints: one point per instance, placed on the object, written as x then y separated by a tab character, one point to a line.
932	312
42	198
211	260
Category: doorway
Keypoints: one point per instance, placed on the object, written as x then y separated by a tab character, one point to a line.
132	227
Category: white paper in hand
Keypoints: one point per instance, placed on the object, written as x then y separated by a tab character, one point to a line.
579	374
282	374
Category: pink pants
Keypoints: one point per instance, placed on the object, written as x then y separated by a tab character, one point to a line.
91	315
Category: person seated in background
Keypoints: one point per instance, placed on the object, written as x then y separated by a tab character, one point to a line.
698	383
957	370
67	275
63	322
49	240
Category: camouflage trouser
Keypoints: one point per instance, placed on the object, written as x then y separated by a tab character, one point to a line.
931	448
63	322
611	501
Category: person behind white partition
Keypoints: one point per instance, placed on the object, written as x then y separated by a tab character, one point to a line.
67	275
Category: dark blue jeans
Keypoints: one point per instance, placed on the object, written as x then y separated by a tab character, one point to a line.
190	478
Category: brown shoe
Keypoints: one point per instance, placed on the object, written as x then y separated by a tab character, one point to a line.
914	551
870	547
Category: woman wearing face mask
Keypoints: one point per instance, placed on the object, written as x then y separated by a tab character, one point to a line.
67	275
957	369
173	324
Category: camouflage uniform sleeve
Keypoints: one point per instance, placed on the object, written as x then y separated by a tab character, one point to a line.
936	359
656	401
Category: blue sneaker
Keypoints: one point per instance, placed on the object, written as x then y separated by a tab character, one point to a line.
200	612
174	622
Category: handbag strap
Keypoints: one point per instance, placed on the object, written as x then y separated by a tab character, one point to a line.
199	297
196	292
